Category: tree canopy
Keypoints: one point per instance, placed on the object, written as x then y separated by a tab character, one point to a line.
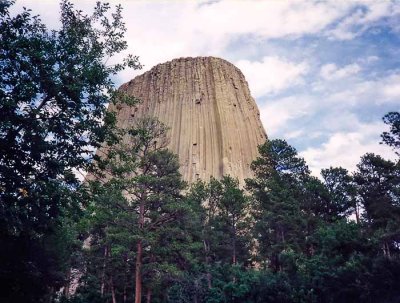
54	89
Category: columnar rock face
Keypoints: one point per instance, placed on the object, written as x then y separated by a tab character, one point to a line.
214	124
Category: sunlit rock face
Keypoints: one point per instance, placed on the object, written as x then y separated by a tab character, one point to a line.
214	124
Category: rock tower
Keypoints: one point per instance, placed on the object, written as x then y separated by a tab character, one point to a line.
214	124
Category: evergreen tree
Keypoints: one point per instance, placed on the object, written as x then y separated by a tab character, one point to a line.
378	188
223	228
392	138
231	219
277	189
342	192
136	201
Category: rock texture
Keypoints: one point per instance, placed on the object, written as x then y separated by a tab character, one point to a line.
214	124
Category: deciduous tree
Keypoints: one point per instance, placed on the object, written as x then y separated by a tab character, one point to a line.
54	89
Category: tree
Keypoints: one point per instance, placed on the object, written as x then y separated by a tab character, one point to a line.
342	191
138	204
278	192
336	272
54	89
233	214
378	188
278	157
392	138
226	224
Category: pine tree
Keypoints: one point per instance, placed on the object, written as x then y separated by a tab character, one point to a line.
378	188
392	138
229	218
342	192
136	201
278	189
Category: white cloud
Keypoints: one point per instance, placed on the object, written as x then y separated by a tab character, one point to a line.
294	134
351	92
348	138
162	31
310	118
269	19
391	87
392	90
272	74
332	72
371	59
345	148
159	31
334	109
364	18
277	115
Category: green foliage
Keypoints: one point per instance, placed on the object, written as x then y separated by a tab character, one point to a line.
279	208
54	89
315	254
228	221
223	224
341	188
378	188
392	138
137	201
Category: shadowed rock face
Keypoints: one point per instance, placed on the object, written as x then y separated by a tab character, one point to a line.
214	123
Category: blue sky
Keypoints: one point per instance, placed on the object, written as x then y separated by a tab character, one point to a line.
323	73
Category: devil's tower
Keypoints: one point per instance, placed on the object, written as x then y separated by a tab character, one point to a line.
214	123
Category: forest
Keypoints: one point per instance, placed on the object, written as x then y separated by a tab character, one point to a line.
131	230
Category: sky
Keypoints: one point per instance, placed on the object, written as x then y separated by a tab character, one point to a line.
323	73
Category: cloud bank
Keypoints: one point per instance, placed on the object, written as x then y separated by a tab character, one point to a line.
322	72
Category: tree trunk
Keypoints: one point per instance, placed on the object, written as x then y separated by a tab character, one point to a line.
114	299
312	250
206	253
103	275
138	274
234	250
68	284
148	296
139	252
125	277
234	245
386	250
196	287
209	280
357	213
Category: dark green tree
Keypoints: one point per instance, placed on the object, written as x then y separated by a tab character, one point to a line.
342	192
221	244
232	219
378	188
336	271
278	190
392	138
136	212
54	89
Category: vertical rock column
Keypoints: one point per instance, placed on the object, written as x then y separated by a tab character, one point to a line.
214	123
